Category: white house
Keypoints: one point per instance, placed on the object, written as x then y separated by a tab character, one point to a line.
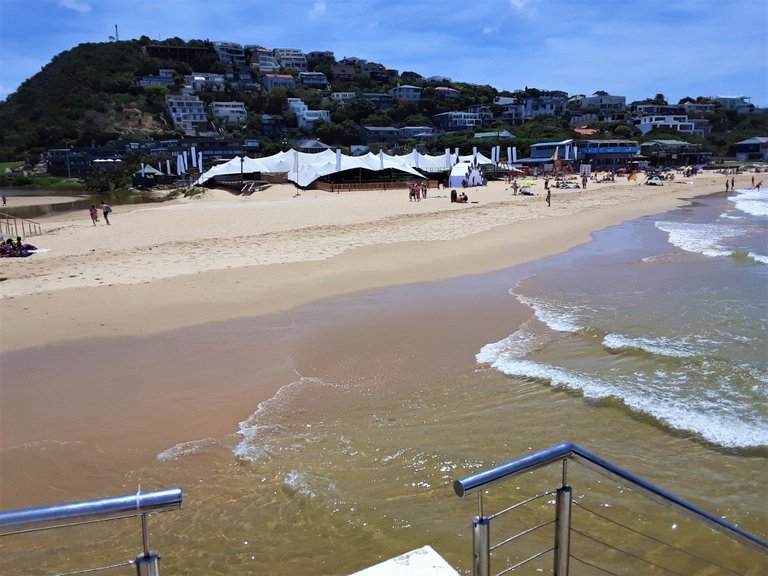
231	112
603	103
291	58
405	92
678	123
187	113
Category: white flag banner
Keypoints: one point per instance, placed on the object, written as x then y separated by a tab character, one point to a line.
514	153
448	158
142	169
194	157
381	159
474	154
168	167
185	162
567	151
575	152
338	159
509	154
200	162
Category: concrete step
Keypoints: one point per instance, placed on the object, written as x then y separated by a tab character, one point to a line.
420	562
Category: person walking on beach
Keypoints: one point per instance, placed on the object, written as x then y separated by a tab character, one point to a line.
733	183
549	197
94	214
106	209
5	200
726	185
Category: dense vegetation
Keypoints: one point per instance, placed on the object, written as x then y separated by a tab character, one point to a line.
89	96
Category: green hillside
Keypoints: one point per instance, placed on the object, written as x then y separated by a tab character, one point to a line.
83	96
89	96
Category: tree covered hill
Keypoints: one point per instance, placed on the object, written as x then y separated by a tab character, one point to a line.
89	95
84	95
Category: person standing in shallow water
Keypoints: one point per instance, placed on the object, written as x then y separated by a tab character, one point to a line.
106	209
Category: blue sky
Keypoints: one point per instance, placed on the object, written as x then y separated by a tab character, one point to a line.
634	48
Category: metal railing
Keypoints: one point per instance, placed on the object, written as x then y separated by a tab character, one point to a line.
15	227
562	453
100	510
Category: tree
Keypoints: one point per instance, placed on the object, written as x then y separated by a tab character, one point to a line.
277	101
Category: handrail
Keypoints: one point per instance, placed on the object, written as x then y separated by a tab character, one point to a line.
9	226
88	511
569	450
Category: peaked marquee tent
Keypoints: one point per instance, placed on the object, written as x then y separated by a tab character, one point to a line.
304	168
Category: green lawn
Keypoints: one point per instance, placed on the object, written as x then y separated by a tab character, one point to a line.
11	165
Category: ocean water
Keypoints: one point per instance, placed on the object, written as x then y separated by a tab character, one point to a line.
666	314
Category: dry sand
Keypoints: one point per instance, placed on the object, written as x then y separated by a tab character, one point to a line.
186	262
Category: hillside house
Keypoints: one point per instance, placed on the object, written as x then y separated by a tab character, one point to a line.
447	93
187	113
272	81
454	121
233	113
406	92
678	123
164	77
603	103
313	80
291	58
231	54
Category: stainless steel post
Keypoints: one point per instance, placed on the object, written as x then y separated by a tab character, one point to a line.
481	539
562	530
148	565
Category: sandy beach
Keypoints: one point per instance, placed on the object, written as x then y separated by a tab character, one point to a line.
303	365
192	261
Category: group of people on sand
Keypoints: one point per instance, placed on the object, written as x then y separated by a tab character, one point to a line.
459	198
417	191
9	248
106	210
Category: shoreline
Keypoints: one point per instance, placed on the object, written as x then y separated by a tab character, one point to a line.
85	305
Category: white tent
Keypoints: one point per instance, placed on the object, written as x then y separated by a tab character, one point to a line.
303	168
464	171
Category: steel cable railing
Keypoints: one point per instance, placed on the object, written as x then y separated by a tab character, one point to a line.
102	510
561	454
595	566
625	552
484	526
656	540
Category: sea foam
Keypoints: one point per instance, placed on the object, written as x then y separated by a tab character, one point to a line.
708	418
557	317
675	348
699	238
751	202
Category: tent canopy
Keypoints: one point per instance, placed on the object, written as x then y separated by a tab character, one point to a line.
303	168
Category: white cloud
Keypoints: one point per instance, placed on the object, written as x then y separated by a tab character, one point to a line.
318	9
519	4
492	29
76	5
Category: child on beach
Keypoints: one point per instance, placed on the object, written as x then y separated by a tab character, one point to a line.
106	209
94	214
